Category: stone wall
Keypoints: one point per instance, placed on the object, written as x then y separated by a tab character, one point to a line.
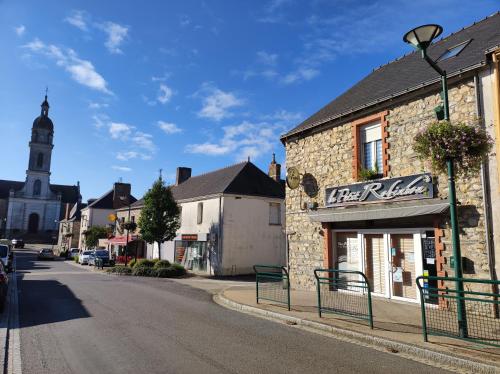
328	157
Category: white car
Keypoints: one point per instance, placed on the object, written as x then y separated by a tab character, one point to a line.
84	257
73	252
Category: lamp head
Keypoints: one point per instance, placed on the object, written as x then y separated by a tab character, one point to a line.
421	37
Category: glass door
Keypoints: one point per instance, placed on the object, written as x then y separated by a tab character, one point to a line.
374	268
403	266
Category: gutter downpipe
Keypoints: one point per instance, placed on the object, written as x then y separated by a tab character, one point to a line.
486	190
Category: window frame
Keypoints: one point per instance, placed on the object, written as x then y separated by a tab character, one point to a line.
278	216
199	213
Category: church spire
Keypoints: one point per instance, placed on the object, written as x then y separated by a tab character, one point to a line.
45	105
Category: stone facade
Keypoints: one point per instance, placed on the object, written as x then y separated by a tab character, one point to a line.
328	155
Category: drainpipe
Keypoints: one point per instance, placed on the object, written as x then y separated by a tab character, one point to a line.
486	189
219	234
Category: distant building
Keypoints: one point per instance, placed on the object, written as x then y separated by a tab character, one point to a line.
33	208
231	219
69	227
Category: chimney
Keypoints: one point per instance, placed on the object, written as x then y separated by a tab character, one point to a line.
121	195
182	175
275	170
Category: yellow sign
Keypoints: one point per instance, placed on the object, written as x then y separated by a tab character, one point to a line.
292	178
111	217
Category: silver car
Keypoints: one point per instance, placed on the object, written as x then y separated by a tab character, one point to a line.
84	257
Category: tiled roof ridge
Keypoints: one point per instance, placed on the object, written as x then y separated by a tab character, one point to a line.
212	172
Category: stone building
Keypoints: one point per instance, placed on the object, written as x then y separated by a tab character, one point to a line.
396	227
32	209
69	227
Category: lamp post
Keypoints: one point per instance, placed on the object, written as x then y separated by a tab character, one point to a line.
420	38
123	199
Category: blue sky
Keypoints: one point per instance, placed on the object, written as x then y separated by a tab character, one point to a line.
136	86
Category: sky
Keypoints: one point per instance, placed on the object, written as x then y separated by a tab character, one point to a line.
139	86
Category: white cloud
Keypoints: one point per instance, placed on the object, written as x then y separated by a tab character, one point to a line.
20	30
143	140
78	18
284	117
116	36
243	140
129	155
299	75
169	128
100	120
120	130
165	93
217	103
121	168
161	78
266	58
82	71
95	105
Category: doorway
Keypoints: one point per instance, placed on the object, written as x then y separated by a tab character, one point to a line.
33	221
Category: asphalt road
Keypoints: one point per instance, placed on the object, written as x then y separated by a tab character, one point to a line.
76	321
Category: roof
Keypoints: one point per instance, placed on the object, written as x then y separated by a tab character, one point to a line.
106	201
244	179
6	186
43	122
410	72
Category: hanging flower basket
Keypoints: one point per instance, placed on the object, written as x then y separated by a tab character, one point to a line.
466	145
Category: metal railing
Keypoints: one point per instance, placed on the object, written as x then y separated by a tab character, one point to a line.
344	292
439	299
272	283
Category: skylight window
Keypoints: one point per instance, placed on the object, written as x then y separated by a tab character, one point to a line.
454	51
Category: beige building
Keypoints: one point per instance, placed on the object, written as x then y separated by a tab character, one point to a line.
396	227
69	227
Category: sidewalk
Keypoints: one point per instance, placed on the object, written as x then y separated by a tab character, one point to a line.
397	327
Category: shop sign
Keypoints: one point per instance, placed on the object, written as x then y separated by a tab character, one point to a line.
189	237
403	188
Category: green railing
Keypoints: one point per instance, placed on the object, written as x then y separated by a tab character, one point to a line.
344	292
480	301
272	283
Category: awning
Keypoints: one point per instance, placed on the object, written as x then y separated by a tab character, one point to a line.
122	240
400	209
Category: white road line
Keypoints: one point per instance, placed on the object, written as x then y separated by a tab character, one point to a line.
14	365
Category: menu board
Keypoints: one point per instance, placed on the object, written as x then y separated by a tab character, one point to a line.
429	248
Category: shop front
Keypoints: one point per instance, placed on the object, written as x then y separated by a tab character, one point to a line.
385	229
191	251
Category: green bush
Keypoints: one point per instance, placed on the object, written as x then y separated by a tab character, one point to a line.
162	264
63	254
179	269
167	272
119	270
76	258
145	263
143	271
132	263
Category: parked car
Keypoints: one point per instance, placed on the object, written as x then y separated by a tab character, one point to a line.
5	257
73	252
4	286
46	254
18	243
102	255
84	257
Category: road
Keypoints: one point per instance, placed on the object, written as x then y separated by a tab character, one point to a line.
76	321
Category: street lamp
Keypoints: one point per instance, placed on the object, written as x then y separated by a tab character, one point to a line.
420	38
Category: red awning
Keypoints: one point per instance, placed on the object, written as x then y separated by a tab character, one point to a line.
122	240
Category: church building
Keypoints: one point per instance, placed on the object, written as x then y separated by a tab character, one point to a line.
33	208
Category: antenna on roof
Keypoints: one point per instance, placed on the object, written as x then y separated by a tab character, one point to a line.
248	160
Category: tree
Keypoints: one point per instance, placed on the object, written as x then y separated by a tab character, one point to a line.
159	219
93	234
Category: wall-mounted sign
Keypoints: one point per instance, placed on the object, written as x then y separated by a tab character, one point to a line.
189	237
111	217
404	188
310	185
292	178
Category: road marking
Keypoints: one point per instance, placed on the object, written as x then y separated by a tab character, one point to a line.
29	274
14	365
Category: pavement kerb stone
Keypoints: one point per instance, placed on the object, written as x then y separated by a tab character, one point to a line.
427	355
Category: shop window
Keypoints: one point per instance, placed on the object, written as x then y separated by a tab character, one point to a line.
200	213
346	253
371	147
274	213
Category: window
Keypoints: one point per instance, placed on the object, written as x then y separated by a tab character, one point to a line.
37	187
371	147
200	213
274	213
453	51
39	160
132	219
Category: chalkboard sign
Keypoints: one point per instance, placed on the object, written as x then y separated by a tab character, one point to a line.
429	247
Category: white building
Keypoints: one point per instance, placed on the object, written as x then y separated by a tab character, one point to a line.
231	219
32	209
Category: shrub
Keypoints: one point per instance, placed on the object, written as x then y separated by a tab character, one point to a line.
76	258
162	264
119	270
63	254
143	271
144	262
132	263
466	145
179	269
166	272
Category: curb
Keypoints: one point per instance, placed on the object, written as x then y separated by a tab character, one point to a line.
410	351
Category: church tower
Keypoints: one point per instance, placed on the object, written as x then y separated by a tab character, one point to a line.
38	173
